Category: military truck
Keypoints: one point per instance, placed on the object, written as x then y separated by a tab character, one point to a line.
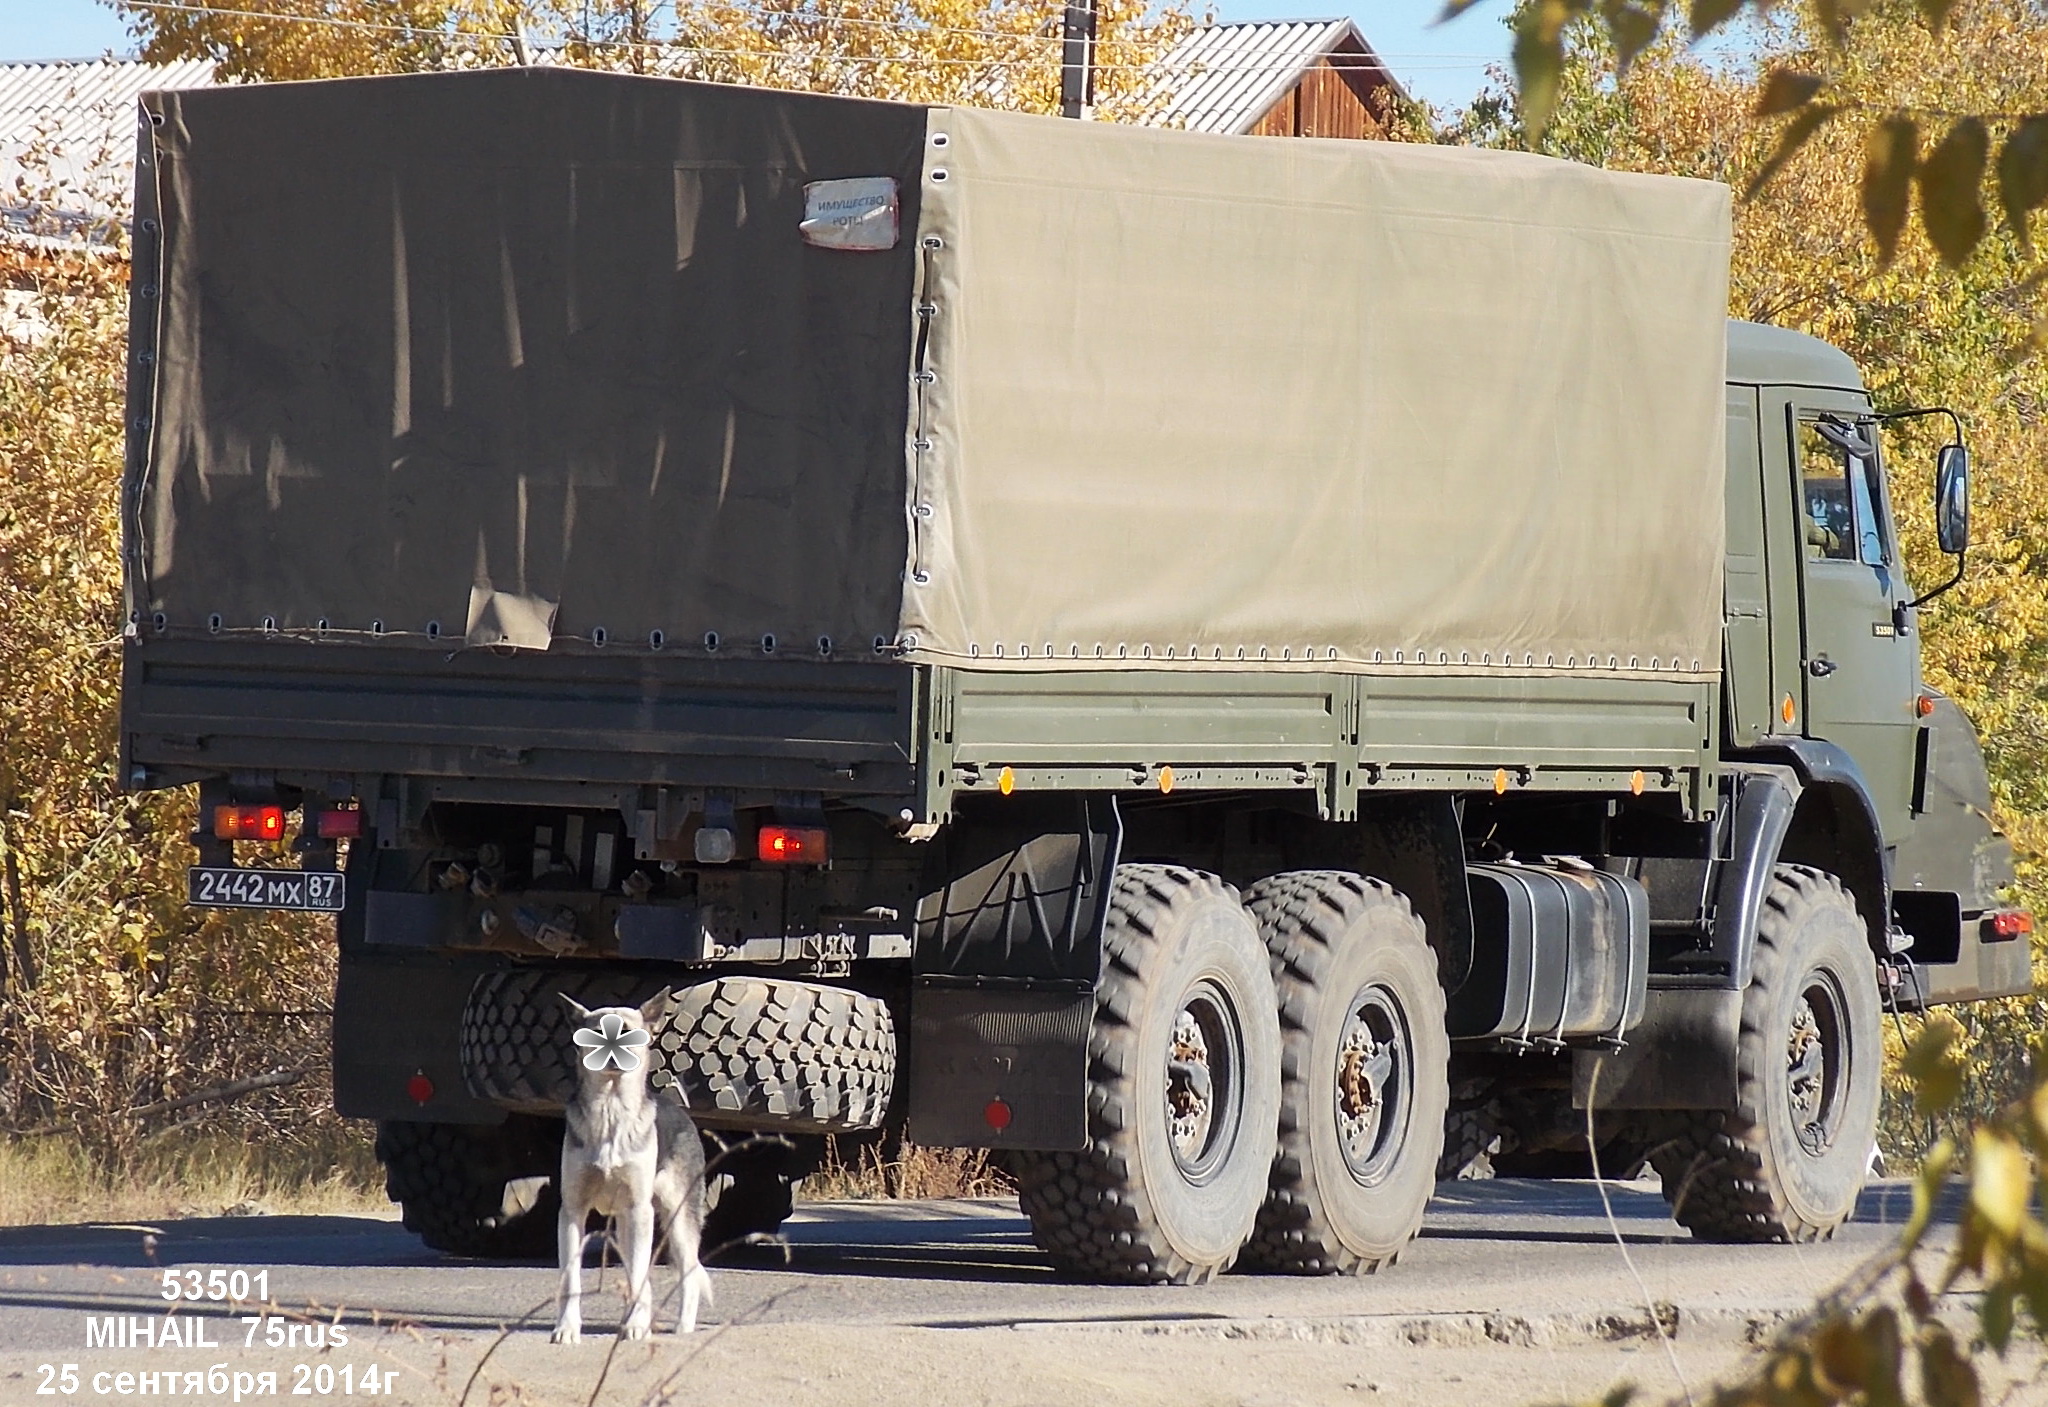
1194	663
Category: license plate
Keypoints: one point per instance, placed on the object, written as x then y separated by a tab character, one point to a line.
310	891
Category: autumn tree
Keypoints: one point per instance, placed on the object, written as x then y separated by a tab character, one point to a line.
987	53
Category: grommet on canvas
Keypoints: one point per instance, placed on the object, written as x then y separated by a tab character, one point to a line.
376	627
433	628
933	242
881	646
655	639
767	644
213	623
908	640
598	635
711	641
940	139
924	510
824	645
921	577
920	445
973	651
161	622
938	174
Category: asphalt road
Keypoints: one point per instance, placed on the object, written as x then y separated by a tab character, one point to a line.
1501	1268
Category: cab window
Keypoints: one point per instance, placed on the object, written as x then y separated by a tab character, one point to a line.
1839	490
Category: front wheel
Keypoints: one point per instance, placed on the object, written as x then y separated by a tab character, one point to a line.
1184	1060
478	1190
1787	1163
1365	1074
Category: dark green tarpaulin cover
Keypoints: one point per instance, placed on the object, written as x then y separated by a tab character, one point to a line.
452	349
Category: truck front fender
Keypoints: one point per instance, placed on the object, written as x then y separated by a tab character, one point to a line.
1831	824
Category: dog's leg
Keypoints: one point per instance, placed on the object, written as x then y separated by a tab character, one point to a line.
683	1233
637	1226
569	1246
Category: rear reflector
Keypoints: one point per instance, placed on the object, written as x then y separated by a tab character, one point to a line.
2011	923
340	825
795	845
997	1114
419	1089
248	822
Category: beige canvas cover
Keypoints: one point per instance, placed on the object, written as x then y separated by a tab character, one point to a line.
1186	400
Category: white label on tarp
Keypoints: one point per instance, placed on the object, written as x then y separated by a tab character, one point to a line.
853	214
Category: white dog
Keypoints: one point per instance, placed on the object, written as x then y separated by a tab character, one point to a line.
634	1156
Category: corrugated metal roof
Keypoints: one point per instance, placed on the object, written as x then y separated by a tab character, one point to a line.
1225	77
72	125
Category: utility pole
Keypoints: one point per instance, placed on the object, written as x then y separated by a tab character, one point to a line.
1077	60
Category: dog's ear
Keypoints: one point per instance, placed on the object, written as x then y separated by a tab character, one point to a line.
656	1006
576	1008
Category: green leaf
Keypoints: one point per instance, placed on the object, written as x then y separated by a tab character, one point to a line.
1890	156
1706	16
1996	1316
1539	67
2001	1180
1951	191
1933	1172
1838	1356
1935	12
1796	134
1785	89
1632	28
1946	1377
1936	1075
2023	177
1882	1358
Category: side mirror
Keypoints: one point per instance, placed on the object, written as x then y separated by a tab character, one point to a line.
1952	499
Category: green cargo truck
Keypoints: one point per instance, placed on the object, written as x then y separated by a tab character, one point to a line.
1197	663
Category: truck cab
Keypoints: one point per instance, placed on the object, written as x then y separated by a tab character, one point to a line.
1822	665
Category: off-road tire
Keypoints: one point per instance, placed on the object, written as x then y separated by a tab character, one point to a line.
1472	1138
450	1180
747	1052
1127	1208
1350	962
1744	1175
751	1187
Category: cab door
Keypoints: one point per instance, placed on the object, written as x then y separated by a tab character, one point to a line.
1860	664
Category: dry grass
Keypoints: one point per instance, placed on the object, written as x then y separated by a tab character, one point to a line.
328	1168
871	1172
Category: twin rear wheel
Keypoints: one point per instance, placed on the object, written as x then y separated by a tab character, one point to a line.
1267	1082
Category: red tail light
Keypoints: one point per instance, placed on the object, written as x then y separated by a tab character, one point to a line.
340	825
795	845
2011	923
248	822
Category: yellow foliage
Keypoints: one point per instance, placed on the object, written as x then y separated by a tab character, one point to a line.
982	53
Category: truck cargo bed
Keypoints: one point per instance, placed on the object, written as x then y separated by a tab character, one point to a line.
195	708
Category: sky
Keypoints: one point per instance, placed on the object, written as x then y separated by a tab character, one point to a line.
1444	64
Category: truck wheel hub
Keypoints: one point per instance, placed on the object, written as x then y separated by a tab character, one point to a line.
1373	1085
1202	1082
1813	1066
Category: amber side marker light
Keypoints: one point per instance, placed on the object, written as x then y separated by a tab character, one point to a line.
2010	923
794	845
1924	705
248	822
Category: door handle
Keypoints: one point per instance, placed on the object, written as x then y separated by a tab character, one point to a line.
1820	666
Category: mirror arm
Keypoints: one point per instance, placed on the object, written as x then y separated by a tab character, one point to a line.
1961	559
1953	419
